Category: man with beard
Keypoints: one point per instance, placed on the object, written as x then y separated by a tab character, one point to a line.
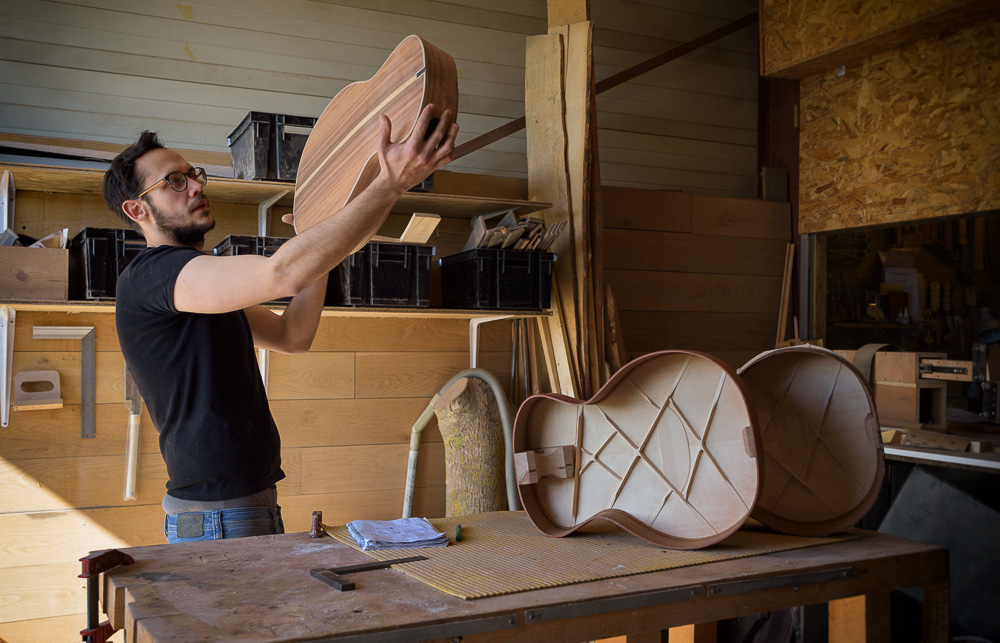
188	323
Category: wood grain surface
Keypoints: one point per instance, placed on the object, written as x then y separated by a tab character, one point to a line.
339	159
666	449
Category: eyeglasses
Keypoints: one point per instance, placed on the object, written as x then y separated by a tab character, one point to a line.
178	180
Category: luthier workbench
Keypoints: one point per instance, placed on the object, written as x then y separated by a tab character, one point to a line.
260	589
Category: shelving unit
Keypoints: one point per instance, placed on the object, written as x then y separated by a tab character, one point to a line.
85	181
43	178
329	311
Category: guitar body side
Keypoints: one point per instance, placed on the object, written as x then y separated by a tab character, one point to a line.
339	160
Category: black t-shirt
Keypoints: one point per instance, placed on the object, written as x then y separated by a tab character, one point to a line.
199	378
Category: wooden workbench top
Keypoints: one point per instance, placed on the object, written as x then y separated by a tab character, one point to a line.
260	589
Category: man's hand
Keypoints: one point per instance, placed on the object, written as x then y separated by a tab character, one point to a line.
403	165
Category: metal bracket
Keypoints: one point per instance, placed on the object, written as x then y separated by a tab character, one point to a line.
264	213
333	578
7	315
774	582
634	601
264	230
7	194
88	356
474	325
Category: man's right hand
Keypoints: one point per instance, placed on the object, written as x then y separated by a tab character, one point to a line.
403	165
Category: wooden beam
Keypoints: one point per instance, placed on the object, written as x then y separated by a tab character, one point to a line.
566	12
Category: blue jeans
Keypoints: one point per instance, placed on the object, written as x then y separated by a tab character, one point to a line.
222	523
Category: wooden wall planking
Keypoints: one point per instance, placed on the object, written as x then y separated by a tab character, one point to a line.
355	394
104	71
694	272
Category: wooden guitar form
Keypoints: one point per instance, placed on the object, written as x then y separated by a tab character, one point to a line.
820	436
339	159
666	449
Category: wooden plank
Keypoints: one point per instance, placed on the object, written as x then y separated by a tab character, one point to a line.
45	484
369	468
67	536
698	331
565	12
339	508
637	209
741	217
43	590
668	251
390	374
679	291
34	273
386	334
786	287
311	376
859	619
56	628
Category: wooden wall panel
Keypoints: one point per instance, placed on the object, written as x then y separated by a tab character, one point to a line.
910	134
807	37
104	71
694	272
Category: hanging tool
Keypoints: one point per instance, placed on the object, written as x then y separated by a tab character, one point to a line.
88	387
133	402
333	578
39	399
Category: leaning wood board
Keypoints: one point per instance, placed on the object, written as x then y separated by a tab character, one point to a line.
339	160
820	435
666	449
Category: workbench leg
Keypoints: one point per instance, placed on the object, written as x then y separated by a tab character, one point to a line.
697	633
860	619
936	613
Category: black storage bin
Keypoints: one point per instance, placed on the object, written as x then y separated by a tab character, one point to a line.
269	146
383	274
236	244
97	256
497	279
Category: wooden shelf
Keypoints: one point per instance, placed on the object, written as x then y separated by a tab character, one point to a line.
44	178
60	306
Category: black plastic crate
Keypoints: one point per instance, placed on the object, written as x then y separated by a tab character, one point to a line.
269	146
97	256
237	244
497	279
383	274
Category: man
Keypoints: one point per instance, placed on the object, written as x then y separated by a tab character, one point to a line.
188	323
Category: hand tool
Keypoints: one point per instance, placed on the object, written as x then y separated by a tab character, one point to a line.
333	578
133	402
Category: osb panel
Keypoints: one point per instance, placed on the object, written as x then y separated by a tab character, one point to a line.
811	36
909	134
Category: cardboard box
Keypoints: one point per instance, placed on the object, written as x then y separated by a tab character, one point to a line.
34	273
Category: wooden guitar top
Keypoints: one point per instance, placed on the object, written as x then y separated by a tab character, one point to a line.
665	449
339	159
820	436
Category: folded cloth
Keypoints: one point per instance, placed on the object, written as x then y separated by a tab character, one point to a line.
404	533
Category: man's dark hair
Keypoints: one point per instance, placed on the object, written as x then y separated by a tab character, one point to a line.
121	181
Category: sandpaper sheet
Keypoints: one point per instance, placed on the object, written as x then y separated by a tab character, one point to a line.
503	553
